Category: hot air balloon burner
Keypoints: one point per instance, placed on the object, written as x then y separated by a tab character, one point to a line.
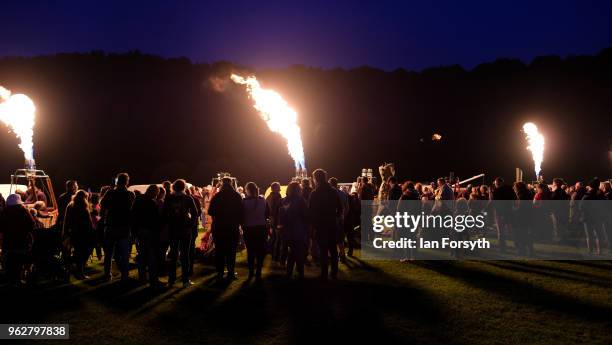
30	166
301	173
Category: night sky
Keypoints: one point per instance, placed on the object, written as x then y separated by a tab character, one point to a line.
392	34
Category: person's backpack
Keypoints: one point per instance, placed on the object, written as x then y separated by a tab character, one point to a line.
178	212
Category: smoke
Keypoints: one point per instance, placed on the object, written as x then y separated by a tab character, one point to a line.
218	84
277	114
17	111
536	145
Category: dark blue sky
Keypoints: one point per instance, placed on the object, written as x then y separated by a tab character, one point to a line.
385	34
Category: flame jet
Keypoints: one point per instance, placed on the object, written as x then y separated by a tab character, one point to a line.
536	145
277	114
17	111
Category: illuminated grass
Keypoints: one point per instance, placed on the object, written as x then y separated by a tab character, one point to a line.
497	302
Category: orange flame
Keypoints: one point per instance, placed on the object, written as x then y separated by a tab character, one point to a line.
536	145
17	111
277	114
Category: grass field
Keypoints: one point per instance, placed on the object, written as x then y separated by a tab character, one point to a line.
429	302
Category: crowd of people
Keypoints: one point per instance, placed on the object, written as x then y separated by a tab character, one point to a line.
163	224
557	213
316	221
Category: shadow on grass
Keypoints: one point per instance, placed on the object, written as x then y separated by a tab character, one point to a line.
601	265
366	304
53	298
308	311
519	291
577	270
552	272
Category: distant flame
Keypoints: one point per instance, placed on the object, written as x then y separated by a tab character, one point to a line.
536	145
17	112
277	114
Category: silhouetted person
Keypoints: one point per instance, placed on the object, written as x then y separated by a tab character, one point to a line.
352	220
161	196
607	195
194	230
16	227
541	208
340	219
523	231
592	209
444	193
324	208
2	203
366	192
78	228
116	206
226	211
559	208
256	214
293	220
503	210
146	224
306	188
279	249
94	211
461	210
164	242
484	193
389	204
574	212
312	242
410	203
395	191
180	215
63	201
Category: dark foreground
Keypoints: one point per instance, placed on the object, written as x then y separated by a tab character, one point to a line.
386	302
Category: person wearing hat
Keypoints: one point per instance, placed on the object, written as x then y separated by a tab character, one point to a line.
16	228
